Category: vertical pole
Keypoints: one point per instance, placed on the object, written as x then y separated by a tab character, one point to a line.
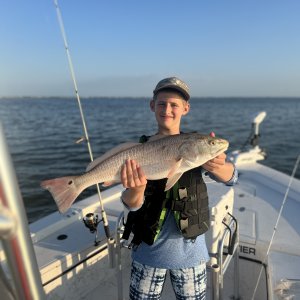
64	36
215	270
18	246
237	265
119	245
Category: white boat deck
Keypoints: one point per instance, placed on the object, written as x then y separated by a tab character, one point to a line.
261	191
258	199
73	268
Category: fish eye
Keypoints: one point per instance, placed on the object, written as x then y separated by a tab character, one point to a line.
212	142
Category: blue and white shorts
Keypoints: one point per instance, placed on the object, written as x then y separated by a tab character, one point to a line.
147	282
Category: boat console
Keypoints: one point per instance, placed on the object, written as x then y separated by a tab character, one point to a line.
221	239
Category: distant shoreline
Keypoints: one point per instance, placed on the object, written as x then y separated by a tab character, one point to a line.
142	97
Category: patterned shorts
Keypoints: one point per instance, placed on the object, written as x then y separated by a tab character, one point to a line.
147	282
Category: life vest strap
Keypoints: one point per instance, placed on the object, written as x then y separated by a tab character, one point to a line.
187	199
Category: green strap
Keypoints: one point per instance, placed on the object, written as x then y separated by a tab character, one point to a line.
160	222
170	194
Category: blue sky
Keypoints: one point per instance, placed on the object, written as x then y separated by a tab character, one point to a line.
122	48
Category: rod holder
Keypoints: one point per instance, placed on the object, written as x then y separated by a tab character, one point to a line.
111	252
215	271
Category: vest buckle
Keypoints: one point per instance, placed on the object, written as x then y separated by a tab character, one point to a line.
183	224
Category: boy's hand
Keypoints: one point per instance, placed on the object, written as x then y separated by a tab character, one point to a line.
132	175
219	167
215	164
134	180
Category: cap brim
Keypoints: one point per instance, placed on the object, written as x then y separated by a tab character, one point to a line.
182	91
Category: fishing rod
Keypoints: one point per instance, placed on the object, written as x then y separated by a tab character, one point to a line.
86	136
277	221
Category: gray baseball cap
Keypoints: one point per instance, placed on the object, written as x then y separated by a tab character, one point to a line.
173	83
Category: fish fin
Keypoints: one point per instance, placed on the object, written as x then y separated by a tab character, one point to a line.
174	174
175	168
188	164
110	153
63	190
172	180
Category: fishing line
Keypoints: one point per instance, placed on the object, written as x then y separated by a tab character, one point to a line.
64	36
277	221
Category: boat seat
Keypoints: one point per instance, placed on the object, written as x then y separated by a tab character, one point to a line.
284	275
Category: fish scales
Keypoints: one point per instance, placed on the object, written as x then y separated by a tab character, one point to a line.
168	156
111	168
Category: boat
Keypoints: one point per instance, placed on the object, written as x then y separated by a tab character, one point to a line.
253	241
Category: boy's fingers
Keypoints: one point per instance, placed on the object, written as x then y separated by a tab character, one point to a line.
123	171
132	175
141	175
220	159
134	170
124	175
129	170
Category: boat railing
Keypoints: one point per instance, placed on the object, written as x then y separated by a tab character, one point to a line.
15	235
223	260
120	243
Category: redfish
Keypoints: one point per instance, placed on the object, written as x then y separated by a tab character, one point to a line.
165	157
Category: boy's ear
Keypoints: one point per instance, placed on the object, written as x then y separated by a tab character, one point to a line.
186	108
152	105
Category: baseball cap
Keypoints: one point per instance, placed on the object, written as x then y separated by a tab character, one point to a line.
173	83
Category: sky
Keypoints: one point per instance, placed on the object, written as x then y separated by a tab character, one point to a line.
123	48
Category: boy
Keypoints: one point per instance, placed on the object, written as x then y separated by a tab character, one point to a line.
158	226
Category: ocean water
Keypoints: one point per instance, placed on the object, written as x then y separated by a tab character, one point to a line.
42	134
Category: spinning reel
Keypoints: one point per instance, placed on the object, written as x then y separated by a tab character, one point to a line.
91	221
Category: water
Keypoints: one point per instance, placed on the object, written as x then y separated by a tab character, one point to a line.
41	134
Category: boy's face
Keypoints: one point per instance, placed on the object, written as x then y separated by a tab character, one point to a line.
169	107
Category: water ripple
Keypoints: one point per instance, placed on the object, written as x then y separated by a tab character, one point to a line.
41	134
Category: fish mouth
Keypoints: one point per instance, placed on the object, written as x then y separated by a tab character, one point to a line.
224	147
222	150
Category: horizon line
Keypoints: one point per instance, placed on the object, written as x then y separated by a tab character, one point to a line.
138	97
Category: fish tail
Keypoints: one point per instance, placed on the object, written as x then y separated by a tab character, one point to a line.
63	190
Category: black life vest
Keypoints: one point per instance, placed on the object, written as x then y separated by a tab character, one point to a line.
187	199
